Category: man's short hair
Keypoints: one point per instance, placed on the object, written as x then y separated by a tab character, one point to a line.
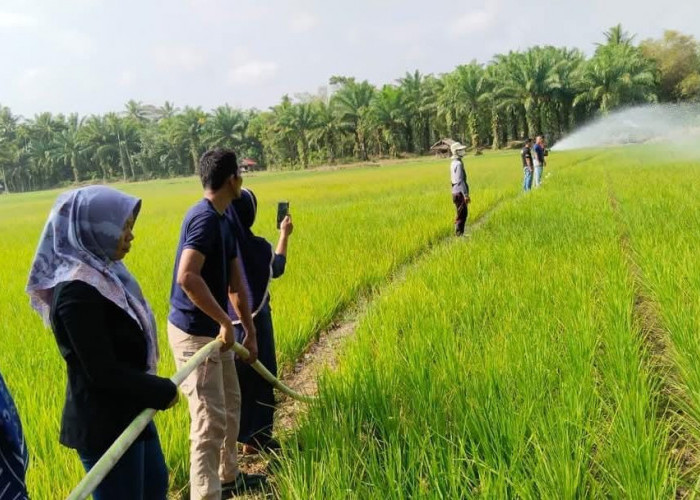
528	139
217	165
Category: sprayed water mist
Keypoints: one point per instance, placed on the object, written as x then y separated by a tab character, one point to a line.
672	124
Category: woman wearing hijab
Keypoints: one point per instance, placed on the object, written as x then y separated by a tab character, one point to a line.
260	265
13	450
106	332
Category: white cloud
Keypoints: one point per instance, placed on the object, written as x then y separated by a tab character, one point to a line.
12	20
179	57
476	21
252	72
302	22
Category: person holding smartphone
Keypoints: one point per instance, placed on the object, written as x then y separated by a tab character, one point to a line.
260	265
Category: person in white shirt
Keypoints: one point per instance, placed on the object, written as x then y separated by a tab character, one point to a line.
460	188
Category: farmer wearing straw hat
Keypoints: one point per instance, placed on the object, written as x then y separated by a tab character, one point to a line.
460	188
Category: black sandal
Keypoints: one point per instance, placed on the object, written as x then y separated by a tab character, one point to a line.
244	482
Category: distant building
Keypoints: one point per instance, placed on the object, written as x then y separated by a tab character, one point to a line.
442	147
248	164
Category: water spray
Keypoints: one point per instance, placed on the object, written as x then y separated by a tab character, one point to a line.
110	458
675	124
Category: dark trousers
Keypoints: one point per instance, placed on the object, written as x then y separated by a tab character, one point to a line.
141	473
462	212
257	396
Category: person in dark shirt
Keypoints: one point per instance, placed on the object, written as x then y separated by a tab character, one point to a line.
539	160
260	265
106	332
207	277
526	157
13	450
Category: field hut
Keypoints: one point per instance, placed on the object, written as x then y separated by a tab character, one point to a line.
248	164
442	147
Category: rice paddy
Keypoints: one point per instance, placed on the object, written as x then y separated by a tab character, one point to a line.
516	362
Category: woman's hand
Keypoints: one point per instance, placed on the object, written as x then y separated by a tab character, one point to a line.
175	400
286	226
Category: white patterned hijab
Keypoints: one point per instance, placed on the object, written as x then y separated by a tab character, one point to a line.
81	235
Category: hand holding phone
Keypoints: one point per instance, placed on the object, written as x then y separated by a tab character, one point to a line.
282	212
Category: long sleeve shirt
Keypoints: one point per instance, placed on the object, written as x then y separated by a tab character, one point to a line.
105	353
458	177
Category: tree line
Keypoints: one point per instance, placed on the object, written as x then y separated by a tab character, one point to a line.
543	90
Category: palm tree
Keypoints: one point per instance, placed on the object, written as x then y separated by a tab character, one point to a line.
8	146
615	75
459	102
617	36
411	85
530	81
189	128
136	111
351	104
563	85
327	130
225	128
167	110
492	78
389	115
67	147
299	120
98	145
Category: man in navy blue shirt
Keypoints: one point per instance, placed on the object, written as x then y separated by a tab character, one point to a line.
207	275
526	157
539	159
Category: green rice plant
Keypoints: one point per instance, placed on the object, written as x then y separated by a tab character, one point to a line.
354	228
506	366
658	191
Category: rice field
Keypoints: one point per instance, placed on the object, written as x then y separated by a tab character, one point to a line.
353	228
516	362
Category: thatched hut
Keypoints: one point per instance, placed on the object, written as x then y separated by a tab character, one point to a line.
442	147
248	164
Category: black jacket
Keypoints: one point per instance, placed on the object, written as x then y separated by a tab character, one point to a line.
105	353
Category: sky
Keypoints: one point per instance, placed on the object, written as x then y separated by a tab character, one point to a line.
92	56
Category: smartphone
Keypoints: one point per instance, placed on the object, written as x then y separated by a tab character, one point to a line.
282	211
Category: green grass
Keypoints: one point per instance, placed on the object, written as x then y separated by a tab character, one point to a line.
511	363
354	227
659	208
506	367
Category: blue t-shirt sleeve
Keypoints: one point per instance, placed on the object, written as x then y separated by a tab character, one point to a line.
203	233
279	263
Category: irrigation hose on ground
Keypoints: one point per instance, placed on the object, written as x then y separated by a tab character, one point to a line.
105	464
